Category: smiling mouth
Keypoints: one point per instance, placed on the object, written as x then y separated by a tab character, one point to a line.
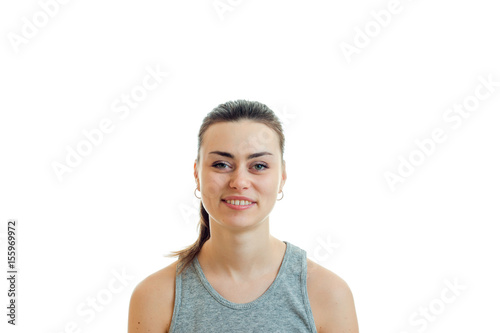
239	202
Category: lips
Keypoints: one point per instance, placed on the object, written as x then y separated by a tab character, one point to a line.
235	197
239	206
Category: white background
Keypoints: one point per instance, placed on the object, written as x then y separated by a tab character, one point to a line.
131	200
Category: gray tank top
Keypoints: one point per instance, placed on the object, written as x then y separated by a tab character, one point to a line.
283	308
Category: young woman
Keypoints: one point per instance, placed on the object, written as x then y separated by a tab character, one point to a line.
237	277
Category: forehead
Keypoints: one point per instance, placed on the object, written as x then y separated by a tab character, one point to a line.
240	138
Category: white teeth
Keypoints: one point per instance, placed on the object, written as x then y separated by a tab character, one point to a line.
238	202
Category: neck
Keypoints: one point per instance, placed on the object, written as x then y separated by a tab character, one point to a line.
241	255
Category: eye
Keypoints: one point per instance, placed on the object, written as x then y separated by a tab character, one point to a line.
260	169
260	166
220	163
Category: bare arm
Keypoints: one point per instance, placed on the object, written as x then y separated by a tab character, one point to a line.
340	310
152	303
331	301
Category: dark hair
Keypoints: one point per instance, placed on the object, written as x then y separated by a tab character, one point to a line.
232	111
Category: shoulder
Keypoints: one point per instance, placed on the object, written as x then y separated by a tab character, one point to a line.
152	302
331	300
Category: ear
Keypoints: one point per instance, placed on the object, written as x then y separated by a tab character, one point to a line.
196	175
283	176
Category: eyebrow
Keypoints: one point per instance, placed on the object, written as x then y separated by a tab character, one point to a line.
249	157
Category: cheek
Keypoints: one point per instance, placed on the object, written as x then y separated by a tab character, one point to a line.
213	185
268	186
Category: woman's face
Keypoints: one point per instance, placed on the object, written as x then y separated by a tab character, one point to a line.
227	168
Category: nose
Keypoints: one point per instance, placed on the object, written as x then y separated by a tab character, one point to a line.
240	179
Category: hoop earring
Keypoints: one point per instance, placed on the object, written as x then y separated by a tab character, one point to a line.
195	193
282	195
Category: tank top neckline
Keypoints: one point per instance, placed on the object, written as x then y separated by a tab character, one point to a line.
215	294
